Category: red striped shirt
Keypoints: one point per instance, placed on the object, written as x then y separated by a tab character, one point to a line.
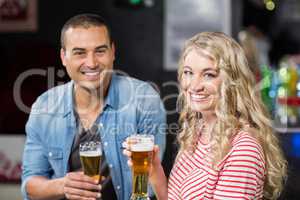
240	174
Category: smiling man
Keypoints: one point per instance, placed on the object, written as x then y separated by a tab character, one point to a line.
96	103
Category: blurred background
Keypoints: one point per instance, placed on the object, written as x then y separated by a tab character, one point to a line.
149	35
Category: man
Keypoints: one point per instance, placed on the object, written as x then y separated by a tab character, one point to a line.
95	102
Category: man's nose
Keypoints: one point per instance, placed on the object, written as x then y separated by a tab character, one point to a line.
91	60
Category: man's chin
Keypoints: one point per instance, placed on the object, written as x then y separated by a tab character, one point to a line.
89	86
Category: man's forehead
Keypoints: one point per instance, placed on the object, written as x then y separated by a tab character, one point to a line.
83	29
93	36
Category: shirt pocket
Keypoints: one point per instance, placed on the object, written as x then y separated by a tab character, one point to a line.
55	157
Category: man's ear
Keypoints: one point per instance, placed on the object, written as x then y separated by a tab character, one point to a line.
63	56
113	49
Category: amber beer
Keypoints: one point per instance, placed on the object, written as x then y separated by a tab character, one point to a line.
141	147
90	157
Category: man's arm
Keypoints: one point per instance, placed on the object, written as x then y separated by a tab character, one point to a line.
35	162
36	172
75	185
39	187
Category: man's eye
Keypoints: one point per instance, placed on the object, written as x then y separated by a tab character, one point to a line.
100	51
78	53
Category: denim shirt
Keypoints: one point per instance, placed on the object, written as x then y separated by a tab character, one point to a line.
131	106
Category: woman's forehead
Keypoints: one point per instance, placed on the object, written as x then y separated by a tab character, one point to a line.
199	59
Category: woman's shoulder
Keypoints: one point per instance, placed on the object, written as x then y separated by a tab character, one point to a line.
246	135
246	141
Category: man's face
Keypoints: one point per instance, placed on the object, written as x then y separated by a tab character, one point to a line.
88	57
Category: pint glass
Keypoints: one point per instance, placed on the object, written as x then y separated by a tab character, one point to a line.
141	147
90	156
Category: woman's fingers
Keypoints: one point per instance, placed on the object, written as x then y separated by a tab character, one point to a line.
129	163
156	149
127	153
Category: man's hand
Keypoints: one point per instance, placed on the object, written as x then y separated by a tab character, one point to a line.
80	186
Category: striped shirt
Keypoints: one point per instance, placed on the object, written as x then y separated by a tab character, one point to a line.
240	173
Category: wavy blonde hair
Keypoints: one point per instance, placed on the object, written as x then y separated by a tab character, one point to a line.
239	105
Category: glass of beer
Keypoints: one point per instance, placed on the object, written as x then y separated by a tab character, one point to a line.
141	147
90	156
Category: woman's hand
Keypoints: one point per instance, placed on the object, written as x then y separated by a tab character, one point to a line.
155	162
157	176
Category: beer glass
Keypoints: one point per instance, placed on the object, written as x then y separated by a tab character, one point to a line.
90	156
141	147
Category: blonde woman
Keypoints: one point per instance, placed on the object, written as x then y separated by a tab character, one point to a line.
227	147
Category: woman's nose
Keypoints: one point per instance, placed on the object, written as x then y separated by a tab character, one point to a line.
196	84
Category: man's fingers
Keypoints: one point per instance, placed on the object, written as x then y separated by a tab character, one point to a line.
79	176
76	197
102	179
82	185
74	193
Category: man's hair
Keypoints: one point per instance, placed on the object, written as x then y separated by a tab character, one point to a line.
84	21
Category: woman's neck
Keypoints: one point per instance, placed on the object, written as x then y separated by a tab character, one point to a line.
208	122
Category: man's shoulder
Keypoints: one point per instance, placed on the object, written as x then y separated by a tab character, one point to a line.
127	84
52	97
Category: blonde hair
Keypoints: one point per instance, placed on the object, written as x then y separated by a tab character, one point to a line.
239	105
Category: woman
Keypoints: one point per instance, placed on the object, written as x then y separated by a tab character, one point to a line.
227	147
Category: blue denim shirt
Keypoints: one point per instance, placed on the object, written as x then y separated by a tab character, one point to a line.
132	106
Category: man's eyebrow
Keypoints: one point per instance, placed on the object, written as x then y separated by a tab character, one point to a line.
83	49
102	47
78	49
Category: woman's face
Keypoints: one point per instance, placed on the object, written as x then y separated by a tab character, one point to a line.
200	82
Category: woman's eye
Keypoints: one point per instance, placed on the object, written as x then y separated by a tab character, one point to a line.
188	73
209	75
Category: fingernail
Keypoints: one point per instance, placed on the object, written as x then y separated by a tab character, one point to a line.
100	187
95	181
98	195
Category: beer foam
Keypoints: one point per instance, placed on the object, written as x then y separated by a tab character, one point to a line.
90	153
141	147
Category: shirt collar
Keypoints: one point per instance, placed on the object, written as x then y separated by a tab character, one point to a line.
112	96
111	99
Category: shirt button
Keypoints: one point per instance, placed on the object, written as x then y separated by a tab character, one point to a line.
50	154
101	125
105	143
118	187
110	166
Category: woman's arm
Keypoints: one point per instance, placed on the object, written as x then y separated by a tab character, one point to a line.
157	177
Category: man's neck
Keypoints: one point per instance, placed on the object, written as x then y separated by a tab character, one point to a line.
88	101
